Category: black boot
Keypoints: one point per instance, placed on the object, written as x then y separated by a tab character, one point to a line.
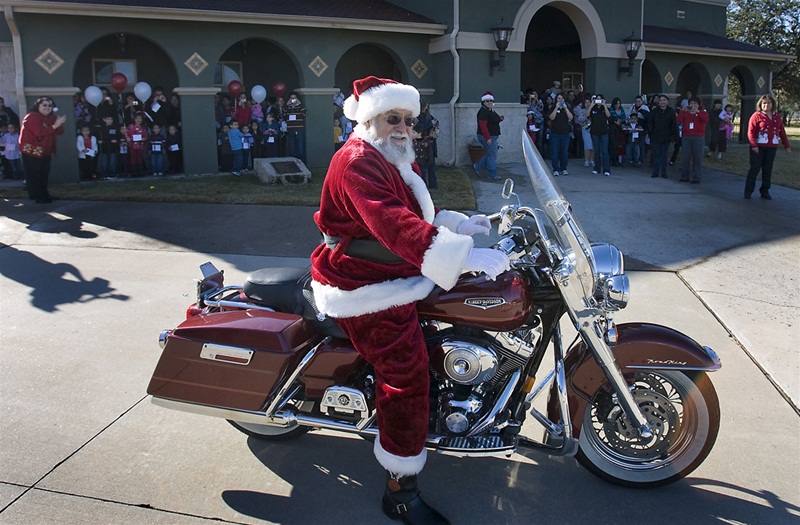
402	501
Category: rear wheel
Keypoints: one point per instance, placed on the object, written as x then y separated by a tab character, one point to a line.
683	413
268	432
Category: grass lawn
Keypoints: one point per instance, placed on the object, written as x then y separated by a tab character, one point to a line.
785	171
454	192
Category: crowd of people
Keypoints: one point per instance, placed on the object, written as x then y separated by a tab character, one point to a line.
128	138
580	124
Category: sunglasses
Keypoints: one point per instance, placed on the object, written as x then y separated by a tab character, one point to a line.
394	120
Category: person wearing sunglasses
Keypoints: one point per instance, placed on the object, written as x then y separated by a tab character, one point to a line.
37	143
385	247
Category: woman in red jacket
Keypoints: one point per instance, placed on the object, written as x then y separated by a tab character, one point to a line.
692	120
37	143
765	133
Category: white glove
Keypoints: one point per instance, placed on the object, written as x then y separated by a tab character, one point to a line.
486	260
475	224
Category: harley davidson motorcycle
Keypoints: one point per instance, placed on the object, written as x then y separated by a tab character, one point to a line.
632	402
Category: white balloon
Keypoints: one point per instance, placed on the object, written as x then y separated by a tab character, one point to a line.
93	95
142	91
258	93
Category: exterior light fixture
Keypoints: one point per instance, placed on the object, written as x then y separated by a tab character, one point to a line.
632	46
502	36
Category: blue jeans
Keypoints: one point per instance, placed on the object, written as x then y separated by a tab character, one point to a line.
600	144
108	164
560	144
660	150
489	159
238	160
297	145
635	151
157	163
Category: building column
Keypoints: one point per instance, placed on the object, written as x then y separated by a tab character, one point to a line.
319	125
64	163
197	129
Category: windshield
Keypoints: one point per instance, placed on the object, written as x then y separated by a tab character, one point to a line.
565	231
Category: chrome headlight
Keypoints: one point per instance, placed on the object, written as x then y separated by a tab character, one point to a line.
608	262
616	291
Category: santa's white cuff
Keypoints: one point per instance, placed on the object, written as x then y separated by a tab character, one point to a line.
449	219
444	259
399	465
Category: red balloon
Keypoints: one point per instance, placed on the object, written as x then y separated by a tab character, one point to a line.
119	81
279	88
235	88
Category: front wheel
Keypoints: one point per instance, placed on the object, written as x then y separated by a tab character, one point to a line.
683	413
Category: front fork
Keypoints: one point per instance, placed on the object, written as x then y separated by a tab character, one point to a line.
595	338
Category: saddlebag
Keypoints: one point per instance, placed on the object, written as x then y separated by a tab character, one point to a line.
232	359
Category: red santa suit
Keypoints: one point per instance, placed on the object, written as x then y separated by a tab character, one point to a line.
367	197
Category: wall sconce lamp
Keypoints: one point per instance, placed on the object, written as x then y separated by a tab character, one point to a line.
502	35
122	40
632	46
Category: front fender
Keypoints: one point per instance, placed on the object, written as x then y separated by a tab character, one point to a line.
640	346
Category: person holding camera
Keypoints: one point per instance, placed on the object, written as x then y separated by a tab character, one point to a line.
599	116
560	127
156	109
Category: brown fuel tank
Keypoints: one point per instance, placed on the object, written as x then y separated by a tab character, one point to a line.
501	305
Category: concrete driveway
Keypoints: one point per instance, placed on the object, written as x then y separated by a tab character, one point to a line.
85	288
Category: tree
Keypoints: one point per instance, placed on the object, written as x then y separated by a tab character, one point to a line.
775	25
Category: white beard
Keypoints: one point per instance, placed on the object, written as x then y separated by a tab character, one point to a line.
397	154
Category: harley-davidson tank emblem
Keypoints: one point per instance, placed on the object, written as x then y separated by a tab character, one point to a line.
484	303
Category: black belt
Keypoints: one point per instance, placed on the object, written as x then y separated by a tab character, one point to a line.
368	249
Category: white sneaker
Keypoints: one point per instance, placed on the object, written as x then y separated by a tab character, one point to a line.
594	172
586	163
719	156
607	174
591	163
564	173
556	173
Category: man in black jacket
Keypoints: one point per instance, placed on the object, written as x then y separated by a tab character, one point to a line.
663	130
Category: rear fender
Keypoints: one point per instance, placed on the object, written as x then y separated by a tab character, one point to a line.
640	346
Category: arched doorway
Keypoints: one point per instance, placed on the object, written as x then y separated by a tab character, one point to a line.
367	59
741	92
651	79
256	61
694	77
552	52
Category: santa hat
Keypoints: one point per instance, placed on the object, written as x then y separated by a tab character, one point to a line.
373	96
487	96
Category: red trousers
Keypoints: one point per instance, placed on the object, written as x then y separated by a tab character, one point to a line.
392	342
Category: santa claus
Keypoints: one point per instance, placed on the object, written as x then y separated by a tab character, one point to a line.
386	247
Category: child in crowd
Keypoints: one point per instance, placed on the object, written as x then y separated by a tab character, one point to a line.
257	149
87	153
725	129
124	163
256	111
713	127
157	151
338	137
634	138
108	143
236	141
242	112
137	139
270	130
174	153
10	143
225	151
530	126
247	148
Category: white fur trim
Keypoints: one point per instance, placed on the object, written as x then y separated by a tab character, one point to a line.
443	262
420	191
399	465
381	99
486	97
449	219
335	302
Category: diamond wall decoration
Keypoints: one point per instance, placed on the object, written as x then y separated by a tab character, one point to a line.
668	78
718	80
419	68
49	61
761	82
318	66
196	63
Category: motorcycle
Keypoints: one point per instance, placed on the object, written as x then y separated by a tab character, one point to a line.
632	402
